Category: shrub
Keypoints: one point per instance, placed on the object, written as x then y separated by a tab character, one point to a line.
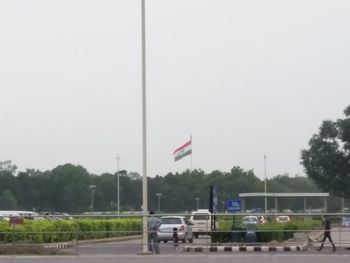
265	232
46	231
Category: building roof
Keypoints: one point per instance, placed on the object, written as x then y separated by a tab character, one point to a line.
283	194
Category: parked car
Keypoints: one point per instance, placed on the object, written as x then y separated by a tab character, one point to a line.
262	219
184	229
250	220
201	222
282	219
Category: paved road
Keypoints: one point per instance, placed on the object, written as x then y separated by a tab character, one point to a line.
126	252
125	247
341	237
203	258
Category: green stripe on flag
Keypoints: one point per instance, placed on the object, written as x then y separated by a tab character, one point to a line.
180	156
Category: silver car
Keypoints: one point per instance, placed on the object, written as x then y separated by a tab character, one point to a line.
184	229
250	220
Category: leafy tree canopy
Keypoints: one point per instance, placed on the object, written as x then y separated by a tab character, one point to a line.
327	161
8	201
8	166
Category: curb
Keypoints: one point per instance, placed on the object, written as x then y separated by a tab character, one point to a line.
57	246
243	248
91	241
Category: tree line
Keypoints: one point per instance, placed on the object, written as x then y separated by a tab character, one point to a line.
66	188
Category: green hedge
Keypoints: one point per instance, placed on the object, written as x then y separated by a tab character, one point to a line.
46	231
283	231
265	232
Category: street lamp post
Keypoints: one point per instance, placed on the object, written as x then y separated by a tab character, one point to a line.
92	188
158	195
197	201
118	195
265	186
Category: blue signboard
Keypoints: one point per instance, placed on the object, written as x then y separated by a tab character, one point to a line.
234	205
346	220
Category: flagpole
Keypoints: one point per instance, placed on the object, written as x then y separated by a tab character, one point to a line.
144	130
191	152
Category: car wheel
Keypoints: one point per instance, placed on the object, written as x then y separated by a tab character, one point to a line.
190	240
184	240
165	241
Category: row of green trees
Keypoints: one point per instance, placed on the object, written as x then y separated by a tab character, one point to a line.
66	189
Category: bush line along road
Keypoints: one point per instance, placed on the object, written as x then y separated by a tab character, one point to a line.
224	239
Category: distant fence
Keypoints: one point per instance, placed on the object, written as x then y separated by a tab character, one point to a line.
58	235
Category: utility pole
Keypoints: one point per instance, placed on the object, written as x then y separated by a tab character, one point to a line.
197	201
265	183
92	188
158	195
118	195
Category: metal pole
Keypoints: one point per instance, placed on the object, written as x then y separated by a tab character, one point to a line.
159	195
159	204
92	200
92	188
118	195
276	205
191	153
265	182
197	201
144	128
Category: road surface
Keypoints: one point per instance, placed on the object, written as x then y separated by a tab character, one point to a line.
203	258
341	237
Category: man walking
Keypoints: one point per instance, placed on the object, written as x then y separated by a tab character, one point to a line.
153	224
326	233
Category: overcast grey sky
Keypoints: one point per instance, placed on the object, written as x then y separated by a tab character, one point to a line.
243	77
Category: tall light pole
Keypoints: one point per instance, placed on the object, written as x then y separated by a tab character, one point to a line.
118	195
92	188
144	129
158	195
197	201
265	182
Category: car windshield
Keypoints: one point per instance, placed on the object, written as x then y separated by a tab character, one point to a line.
200	217
171	220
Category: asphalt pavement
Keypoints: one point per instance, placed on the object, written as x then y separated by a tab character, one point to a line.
341	237
203	258
127	251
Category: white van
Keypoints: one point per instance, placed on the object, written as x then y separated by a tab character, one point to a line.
201	222
6	214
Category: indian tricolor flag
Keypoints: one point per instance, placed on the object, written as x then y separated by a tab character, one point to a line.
183	151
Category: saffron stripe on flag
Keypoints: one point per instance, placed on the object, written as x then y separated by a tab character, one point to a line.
183	146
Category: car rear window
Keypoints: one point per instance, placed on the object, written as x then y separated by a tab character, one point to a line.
250	219
171	220
200	217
